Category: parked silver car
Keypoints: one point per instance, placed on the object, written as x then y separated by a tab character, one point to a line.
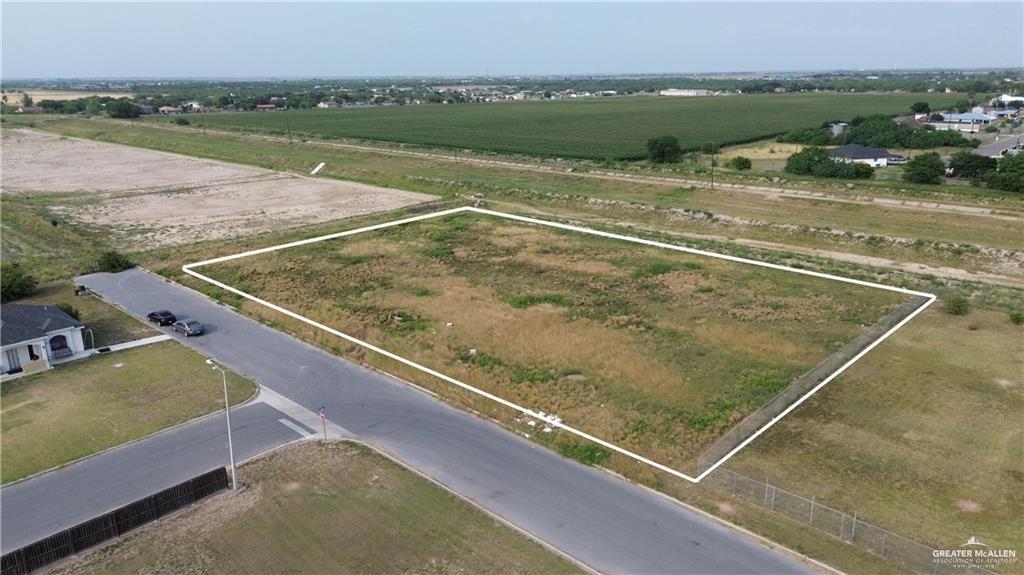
188	326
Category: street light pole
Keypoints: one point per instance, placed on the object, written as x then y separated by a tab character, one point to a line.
227	414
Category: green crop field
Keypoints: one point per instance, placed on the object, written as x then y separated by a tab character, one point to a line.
597	129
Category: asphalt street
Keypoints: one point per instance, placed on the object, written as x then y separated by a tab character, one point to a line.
52	502
597	518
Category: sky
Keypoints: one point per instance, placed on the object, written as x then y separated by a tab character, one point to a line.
136	40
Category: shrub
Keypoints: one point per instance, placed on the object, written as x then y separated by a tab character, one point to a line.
525	301
15	283
664	149
181	121
958	306
1017	316
70	310
113	262
739	163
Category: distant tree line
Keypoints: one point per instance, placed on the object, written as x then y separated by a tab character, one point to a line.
878	131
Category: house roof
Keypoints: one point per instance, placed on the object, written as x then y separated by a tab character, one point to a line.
858	152
20	323
968	117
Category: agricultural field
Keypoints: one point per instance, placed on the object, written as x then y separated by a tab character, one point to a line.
599	129
654	350
338	505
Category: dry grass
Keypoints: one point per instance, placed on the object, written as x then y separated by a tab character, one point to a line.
655	350
333	508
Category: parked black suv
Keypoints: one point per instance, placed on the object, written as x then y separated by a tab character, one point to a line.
162	317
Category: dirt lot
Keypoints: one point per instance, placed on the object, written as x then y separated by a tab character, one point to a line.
144	198
330	508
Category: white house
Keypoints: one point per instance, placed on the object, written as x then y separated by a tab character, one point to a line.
32	337
874	157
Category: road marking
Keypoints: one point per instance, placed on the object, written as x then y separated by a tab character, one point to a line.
294	427
317	169
546	418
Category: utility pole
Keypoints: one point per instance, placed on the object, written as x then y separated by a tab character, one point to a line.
227	414
712	165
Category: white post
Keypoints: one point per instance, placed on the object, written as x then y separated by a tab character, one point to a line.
227	414
811	520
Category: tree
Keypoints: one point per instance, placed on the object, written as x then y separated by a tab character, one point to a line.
26	100
925	169
816	161
664	149
123	108
1009	174
963	105
15	283
920	108
70	310
739	163
113	262
972	166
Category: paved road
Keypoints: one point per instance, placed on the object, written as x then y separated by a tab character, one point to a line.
593	516
996	148
52	502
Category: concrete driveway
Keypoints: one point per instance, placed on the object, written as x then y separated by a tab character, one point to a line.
601	520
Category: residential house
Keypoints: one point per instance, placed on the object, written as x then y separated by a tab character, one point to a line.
169	110
838	129
266	107
32	337
328	104
874	157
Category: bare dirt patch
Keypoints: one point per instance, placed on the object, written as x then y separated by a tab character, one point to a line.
968	506
147	199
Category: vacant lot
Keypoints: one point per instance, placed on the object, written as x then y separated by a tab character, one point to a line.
656	350
109	325
141	198
78	409
923	437
598	129
334	508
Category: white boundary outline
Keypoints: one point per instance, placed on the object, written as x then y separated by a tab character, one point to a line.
189	269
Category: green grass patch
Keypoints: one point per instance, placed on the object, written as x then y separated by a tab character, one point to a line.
585	453
74	410
525	301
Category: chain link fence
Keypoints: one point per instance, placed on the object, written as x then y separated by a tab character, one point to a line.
907	552
799	387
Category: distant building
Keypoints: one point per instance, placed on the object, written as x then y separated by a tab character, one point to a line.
34	336
874	157
683	92
145	110
838	129
31	110
328	104
266	107
169	110
967	122
1006	99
